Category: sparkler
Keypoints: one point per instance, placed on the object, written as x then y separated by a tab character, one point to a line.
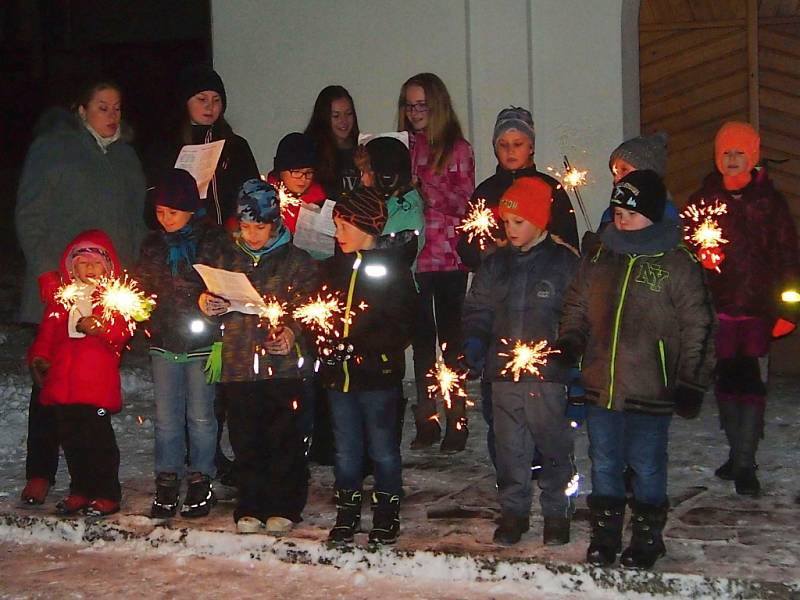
273	311
447	383
703	231
68	295
320	313
572	179
123	297
287	199
526	358
479	223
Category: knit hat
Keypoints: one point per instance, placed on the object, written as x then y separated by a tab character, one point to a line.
739	135
258	203
90	250
200	78
365	208
391	163
642	192
177	190
295	151
514	117
530	198
646	152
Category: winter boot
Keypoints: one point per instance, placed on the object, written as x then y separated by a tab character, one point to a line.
510	529
725	471
647	543
165	503
607	516
71	504
556	531
348	516
455	436
428	430
35	490
751	427
746	482
385	518
101	507
199	497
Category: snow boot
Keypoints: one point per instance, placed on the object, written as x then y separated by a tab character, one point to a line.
247	525
647	543
385	518
556	531
165	503
101	507
510	529
71	504
746	482
348	516
428	430
455	436
725	471
35	490
199	497
278	526
607	516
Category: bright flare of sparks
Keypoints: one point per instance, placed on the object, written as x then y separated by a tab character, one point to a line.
479	223
67	295
320	313
447	383
701	226
123	296
526	358
273	311
573	178
287	199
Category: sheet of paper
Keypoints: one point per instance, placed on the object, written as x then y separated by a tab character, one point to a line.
315	229
363	138
201	161
234	287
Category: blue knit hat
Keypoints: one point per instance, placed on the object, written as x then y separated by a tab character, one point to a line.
514	117
258	203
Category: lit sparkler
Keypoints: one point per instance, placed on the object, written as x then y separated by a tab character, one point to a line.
123	297
320	313
703	231
479	223
526	358
447	383
273	311
68	295
287	199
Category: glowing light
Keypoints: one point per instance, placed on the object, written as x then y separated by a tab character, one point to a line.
573	178
255	363
123	297
320	313
702	230
447	383
68	295
273	311
375	271
479	223
790	296
197	326
573	486
526	358
287	199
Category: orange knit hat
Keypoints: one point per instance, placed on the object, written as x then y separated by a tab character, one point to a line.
742	136
529	198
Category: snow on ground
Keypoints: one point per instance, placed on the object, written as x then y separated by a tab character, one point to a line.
449	508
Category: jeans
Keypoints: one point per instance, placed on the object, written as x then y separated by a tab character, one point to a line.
371	415
184	403
618	438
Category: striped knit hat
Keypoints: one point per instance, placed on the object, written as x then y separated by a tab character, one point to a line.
364	208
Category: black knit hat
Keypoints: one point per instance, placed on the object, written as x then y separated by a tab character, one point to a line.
642	192
295	151
177	190
391	163
364	208
200	78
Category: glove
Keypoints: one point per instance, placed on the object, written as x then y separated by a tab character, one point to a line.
473	358
782	328
337	351
39	367
576	412
688	402
90	325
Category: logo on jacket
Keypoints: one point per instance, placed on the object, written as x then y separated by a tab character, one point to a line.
545	289
652	275
101	412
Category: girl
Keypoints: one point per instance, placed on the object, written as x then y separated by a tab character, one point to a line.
443	166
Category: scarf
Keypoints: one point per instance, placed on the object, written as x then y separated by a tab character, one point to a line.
181	247
103	142
281	237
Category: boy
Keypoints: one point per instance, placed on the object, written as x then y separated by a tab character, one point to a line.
516	296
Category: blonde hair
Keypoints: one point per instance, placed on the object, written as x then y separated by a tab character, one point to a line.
444	129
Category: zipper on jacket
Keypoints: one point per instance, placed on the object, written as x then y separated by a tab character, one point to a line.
617	320
346	332
662	355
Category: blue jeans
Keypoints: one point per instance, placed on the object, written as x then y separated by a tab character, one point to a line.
373	413
184	404
618	438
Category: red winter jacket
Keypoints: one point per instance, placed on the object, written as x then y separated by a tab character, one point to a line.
82	370
315	194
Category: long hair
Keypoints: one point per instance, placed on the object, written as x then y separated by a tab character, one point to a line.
444	129
319	128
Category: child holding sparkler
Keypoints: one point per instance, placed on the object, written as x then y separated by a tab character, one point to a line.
757	262
262	362
180	339
640	315
77	354
364	363
516	297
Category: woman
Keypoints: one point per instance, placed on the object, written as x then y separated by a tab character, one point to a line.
443	165
334	128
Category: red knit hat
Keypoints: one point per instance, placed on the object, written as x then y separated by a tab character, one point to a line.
529	198
741	136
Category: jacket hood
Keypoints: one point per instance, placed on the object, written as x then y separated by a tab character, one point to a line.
92	238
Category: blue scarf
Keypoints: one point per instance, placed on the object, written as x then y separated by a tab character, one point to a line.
181	247
281	237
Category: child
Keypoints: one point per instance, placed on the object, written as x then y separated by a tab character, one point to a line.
443	166
363	369
261	376
78	353
180	343
639	314
516	296
760	263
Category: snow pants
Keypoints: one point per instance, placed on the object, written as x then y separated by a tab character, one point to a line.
41	459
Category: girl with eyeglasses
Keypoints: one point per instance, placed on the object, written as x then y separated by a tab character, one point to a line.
443	166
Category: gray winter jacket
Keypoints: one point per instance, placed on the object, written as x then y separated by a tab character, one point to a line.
68	185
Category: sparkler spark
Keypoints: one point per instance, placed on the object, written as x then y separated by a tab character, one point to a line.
123	297
273	311
479	223
573	178
67	295
526	358
320	313
703	231
447	383
287	199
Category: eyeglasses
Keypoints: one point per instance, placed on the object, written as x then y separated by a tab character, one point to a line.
298	174
419	107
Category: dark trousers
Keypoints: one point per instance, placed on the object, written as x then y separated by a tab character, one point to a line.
42	458
271	467
90	448
441	298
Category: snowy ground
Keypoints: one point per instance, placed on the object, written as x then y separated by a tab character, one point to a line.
713	535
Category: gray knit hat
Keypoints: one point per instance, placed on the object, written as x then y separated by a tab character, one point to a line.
643	152
514	117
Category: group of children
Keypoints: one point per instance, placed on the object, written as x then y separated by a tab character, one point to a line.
637	314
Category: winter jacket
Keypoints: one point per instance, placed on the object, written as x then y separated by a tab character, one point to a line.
562	218
82	370
236	165
315	194
446	195
517	296
761	257
346	175
407	213
640	314
382	331
68	185
287	273
177	325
